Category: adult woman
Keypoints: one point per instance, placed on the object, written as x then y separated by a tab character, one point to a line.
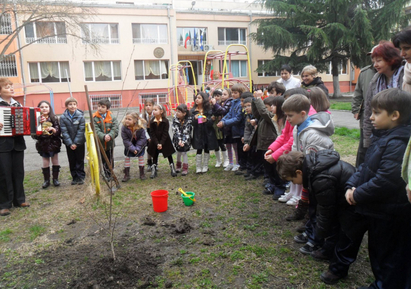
310	79
403	41
387	61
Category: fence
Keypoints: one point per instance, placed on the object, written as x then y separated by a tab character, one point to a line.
115	99
8	66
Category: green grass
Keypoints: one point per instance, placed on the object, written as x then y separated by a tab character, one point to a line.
36	231
341	105
5	235
351	133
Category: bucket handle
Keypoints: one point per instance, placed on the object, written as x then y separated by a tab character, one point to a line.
185	194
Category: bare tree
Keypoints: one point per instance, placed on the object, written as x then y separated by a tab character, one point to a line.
22	15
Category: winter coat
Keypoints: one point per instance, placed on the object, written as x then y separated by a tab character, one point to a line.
223	109
73	129
133	141
367	125
316	136
235	119
107	126
203	133
325	175
361	88
380	190
9	143
49	143
182	132
249	129
159	135
266	131
317	82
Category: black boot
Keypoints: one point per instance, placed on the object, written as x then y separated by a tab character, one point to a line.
153	171
149	164
46	174
126	174
173	170
299	212
56	172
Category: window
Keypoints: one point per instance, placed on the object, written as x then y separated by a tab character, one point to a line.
239	68
46	32
342	69
227	36
102	70
150	69
100	33
5	24
150	33
49	71
189	36
8	66
265	73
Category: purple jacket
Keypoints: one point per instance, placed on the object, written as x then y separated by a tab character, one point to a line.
136	142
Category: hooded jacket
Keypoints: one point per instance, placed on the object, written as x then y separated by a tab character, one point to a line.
73	129
49	143
266	131
203	133
325	175
380	190
316	136
133	141
108	125
235	119
159	135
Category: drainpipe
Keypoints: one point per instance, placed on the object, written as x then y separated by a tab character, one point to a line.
171	47
249	45
20	55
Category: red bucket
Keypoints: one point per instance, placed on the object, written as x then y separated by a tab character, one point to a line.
160	198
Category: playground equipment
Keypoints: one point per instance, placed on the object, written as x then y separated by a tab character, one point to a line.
179	92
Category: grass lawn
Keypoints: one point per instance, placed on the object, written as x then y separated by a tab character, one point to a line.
232	237
340	105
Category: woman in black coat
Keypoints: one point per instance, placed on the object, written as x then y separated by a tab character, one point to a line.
160	140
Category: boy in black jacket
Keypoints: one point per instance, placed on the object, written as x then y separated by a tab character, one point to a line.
378	192
325	175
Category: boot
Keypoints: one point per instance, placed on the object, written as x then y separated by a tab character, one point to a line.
126	175
199	167
142	175
46	174
205	162
173	170
178	168
185	170
56	171
299	212
153	171
217	159
149	164
226	161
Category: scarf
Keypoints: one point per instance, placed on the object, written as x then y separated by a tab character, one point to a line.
382	81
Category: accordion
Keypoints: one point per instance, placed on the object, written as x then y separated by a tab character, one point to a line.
20	121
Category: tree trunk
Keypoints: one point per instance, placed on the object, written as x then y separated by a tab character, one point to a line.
334	70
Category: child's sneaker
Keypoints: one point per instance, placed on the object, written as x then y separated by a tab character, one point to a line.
228	168
293	201
285	198
301	239
308	248
236	168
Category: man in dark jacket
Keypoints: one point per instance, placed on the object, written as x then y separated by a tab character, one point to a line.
325	175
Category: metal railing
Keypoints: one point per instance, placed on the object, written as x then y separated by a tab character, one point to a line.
8	66
149	40
47	40
115	99
230	42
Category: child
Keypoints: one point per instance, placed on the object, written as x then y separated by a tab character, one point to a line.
160	140
147	115
311	133
106	126
249	148
73	126
12	159
279	117
219	111
378	192
325	174
182	128
319	99
217	95
204	137
275	89
48	144
234	122
135	141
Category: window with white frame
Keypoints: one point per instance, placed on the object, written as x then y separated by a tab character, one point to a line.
45	32
100	33
189	36
266	73
342	69
239	68
8	66
150	69
227	36
150	33
43	72
5	24
102	70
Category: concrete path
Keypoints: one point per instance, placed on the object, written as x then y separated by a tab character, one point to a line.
32	160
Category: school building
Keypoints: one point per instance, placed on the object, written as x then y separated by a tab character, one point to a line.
136	45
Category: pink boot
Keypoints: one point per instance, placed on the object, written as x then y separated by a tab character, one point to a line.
185	170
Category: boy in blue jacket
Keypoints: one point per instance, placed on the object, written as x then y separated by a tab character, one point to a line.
73	126
378	192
